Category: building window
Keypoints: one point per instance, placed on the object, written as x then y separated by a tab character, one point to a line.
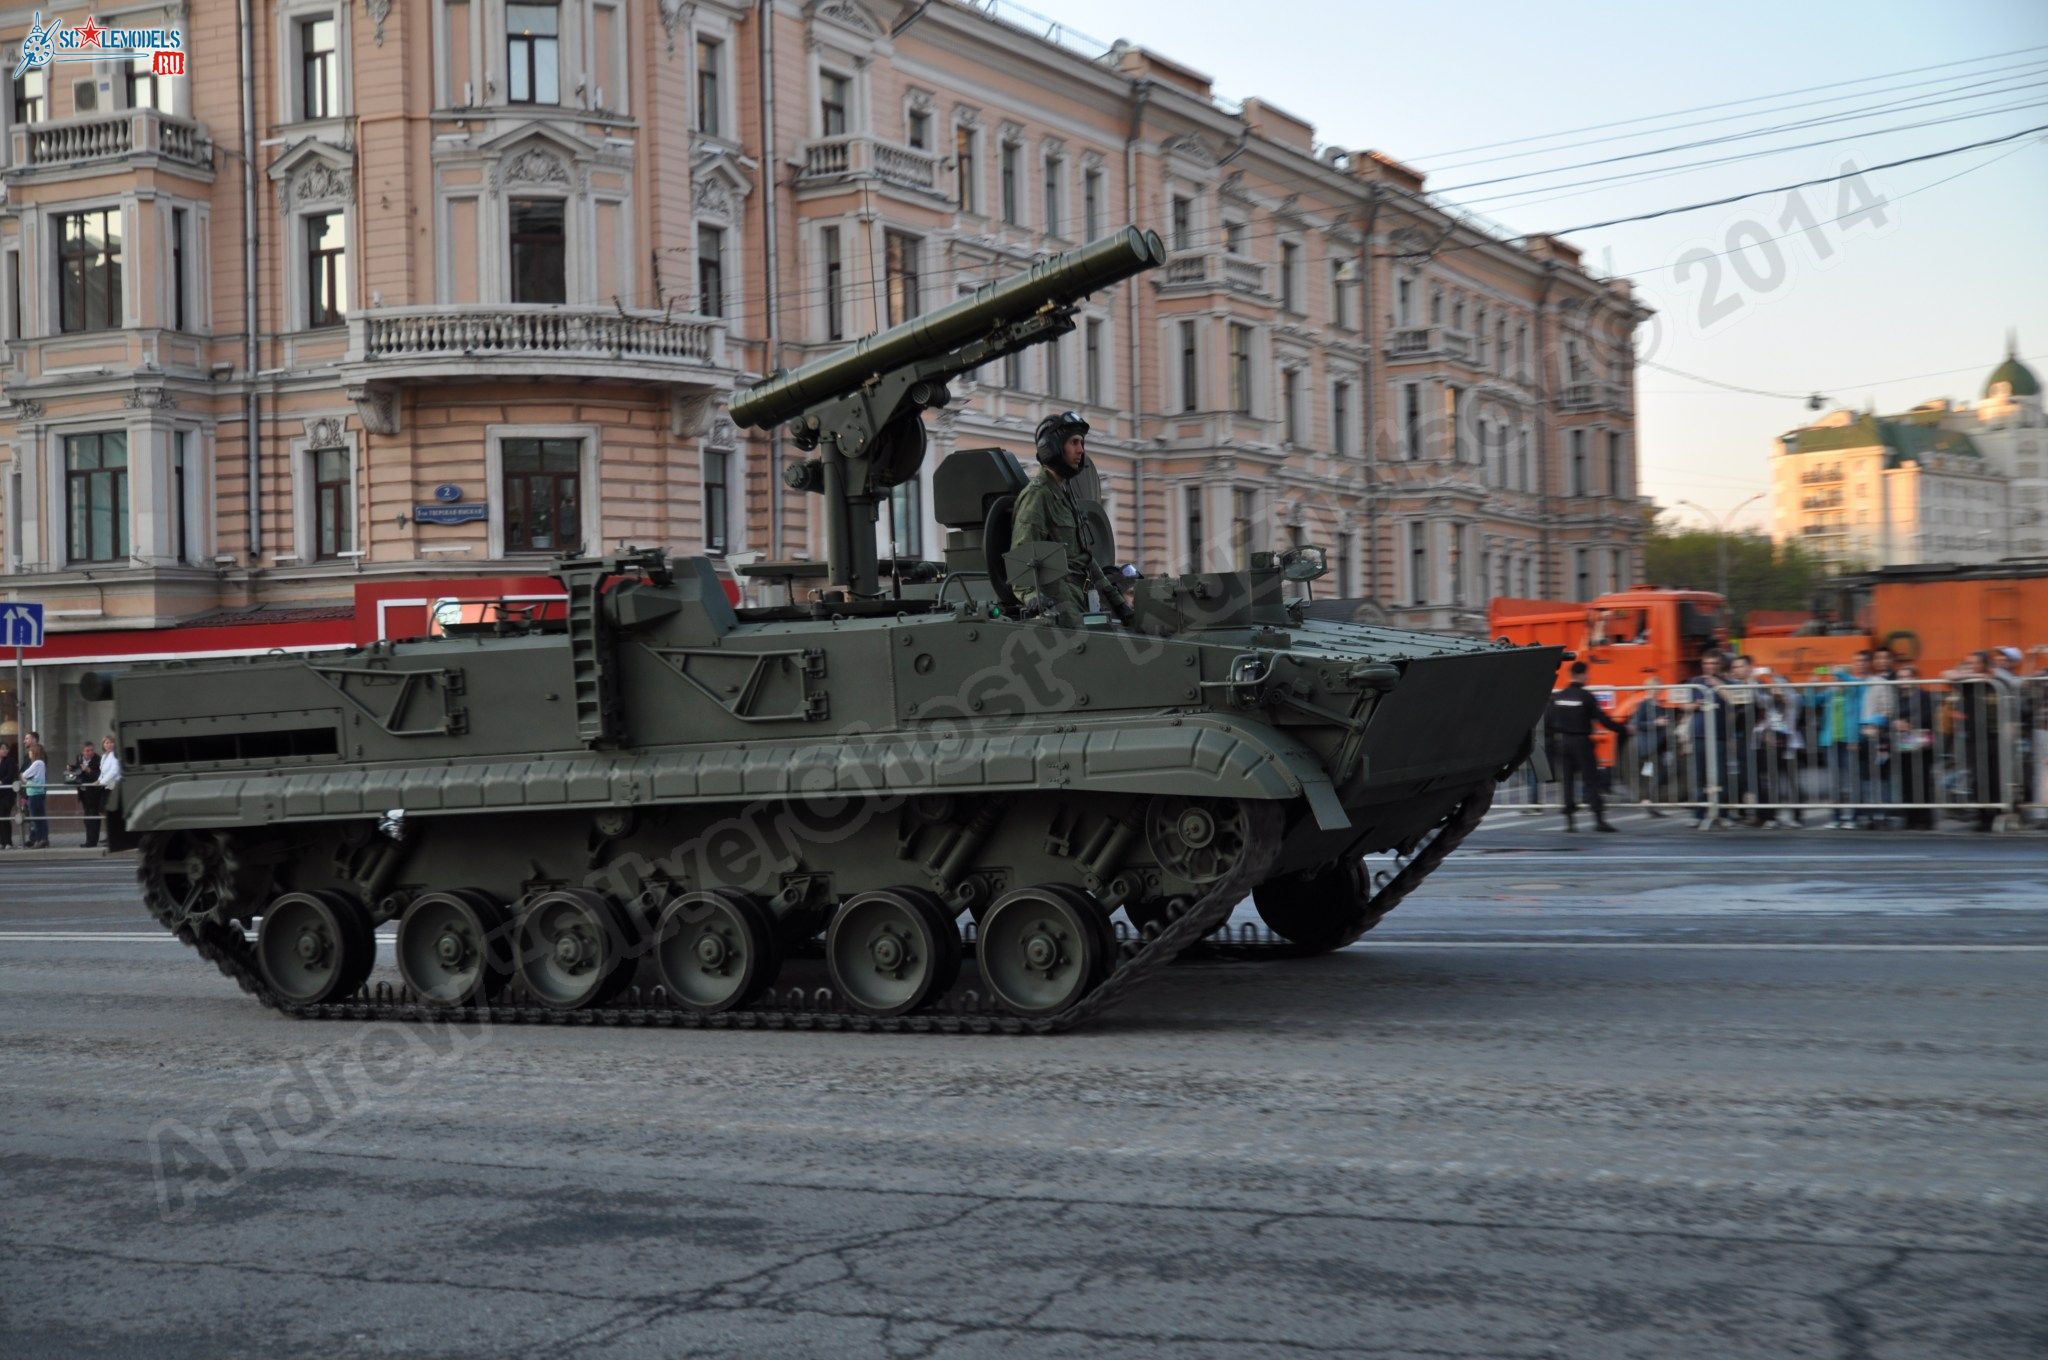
833	90
1578	462
1614	480
1340	297
1290	277
1192	502
1528	472
327	269
1233	236
717	499
1582	579
835	305
178	313
1436	306
710	76
1012	210
317	67
1190	369
1411	420
1340	418
1091	204
1345	550
1614	574
96	496
1091	358
1054	167
1290	405
1458	563
711	271
920	130
540	271
1244	522
142	87
1454	416
968	193
181	538
334	510
89	270
1418	562
543	495
1240	368
1055	368
906	518
901	260
1013	370
533	62
1404	301
31	97
1479	339
1182	222
1521	351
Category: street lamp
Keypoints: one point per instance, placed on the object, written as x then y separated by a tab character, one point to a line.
1720	523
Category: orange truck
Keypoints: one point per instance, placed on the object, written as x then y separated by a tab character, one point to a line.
1932	615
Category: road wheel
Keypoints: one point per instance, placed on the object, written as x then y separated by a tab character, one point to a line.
315	947
574	949
716	950
455	948
1323	909
892	950
1040	952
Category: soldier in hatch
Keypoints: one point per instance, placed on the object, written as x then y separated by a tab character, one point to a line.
1047	513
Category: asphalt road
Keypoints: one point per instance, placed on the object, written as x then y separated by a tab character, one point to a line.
1653	1094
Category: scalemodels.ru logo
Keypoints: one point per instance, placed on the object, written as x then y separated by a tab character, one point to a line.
47	44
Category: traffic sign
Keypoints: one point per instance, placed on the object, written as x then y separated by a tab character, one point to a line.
21	625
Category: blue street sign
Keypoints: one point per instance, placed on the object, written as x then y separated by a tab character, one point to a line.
21	625
450	514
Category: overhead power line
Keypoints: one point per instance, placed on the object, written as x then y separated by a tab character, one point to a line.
1948	83
1736	103
1869	111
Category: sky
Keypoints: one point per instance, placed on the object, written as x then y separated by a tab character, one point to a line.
1909	297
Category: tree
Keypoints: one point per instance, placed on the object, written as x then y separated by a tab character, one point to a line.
1761	574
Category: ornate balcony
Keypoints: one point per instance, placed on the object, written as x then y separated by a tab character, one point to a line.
1593	396
1429	342
842	160
95	140
527	342
1199	271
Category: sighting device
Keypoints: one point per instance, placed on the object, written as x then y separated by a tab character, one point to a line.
861	409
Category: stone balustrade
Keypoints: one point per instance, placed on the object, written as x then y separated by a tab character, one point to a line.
108	137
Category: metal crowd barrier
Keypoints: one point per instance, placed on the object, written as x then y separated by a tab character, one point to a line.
65	814
1914	754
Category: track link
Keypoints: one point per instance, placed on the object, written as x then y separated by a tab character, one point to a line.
1138	958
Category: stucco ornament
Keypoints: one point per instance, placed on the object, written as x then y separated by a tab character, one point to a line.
534	166
379	11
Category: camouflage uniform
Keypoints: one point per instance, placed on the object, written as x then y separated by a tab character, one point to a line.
1046	513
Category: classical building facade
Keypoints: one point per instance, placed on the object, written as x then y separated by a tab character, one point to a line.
475	284
1944	482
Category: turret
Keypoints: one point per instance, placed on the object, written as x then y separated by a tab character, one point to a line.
862	408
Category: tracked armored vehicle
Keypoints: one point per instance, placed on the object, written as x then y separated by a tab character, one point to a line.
897	801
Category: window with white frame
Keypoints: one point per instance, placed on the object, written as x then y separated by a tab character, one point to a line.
1240	368
1181	222
1418	562
1411	420
1290	276
1191	500
533	52
96	496
316	48
917	124
1454	417
710	86
1290	406
1011	188
1340	418
182	257
325	237
144	90
334	504
1091	361
717	500
832	271
903	270
31	97
1340	296
711	271
1091	204
966	163
1190	369
1055	173
1579	471
89	294
542	493
835	101
537	234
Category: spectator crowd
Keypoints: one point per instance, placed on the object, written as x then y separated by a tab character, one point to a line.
25	779
1873	744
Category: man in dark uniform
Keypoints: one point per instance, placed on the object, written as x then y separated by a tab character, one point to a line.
1573	711
1047	513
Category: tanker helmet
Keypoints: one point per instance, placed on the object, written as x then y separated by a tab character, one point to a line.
1052	436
